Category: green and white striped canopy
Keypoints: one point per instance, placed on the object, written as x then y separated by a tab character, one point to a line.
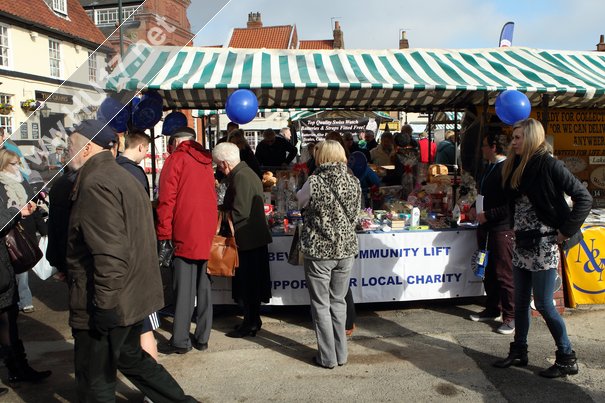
411	79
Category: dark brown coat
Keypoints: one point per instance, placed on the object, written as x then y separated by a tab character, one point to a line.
112	257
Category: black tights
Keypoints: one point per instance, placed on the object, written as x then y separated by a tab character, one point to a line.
9	333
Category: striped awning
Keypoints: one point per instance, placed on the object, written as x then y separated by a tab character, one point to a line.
412	79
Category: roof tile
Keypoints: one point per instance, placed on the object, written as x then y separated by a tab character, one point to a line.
78	25
316	44
276	37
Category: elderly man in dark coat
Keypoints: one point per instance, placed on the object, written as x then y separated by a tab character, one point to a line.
244	200
113	274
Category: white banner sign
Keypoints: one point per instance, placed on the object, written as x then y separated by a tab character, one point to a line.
402	266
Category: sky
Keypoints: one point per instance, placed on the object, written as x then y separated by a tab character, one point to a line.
456	24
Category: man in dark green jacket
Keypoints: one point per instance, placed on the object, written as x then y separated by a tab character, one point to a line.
113	274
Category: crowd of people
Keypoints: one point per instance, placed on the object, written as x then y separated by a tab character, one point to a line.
107	239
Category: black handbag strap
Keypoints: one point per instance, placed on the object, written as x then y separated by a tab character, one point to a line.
337	198
221	216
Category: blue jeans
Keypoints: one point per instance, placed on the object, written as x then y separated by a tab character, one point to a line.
543	284
25	294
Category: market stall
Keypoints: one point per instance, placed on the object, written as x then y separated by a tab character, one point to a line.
399	80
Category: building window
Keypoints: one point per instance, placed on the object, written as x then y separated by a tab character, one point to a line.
54	54
4	46
92	67
6	121
109	16
60	6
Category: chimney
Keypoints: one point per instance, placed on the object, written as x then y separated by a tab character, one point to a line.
339	42
601	44
403	42
254	20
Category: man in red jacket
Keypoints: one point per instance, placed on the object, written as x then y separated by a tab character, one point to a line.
187	214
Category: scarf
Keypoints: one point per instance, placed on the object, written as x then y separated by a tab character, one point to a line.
15	192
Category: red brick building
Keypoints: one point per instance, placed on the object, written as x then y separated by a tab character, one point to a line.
256	36
154	22
157	22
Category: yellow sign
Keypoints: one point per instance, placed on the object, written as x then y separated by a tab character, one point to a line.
576	132
578	139
393	126
585	263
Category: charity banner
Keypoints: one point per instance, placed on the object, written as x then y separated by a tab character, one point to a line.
584	265
398	266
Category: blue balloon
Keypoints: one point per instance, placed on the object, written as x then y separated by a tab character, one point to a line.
241	106
148	111
512	106
173	121
134	102
114	112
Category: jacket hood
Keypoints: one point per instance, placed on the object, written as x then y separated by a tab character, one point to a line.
196	150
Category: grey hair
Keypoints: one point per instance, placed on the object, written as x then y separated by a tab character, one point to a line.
226	152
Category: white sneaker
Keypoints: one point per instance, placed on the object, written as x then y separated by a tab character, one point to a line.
484	316
507	327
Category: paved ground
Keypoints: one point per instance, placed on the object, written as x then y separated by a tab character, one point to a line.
424	352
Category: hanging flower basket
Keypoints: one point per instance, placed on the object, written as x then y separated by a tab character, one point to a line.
30	105
5	109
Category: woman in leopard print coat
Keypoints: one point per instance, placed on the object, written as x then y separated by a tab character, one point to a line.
332	198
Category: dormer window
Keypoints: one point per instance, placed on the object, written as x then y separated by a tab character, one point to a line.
60	6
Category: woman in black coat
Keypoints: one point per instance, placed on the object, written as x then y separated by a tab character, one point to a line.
543	222
244	200
10	214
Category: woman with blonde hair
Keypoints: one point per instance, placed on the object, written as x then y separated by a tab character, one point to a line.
332	201
543	223
14	206
19	192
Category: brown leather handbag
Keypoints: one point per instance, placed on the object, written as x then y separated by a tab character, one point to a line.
223	252
23	250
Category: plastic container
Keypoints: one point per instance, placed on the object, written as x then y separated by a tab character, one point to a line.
415	219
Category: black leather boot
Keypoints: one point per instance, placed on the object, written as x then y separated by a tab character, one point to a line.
565	364
19	369
517	356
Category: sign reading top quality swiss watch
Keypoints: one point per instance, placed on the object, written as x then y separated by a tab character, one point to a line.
316	129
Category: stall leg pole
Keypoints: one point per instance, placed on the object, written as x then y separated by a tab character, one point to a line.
545	100
153	164
482	129
455	184
430	133
203	124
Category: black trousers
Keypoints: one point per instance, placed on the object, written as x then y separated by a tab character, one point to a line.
98	357
351	313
